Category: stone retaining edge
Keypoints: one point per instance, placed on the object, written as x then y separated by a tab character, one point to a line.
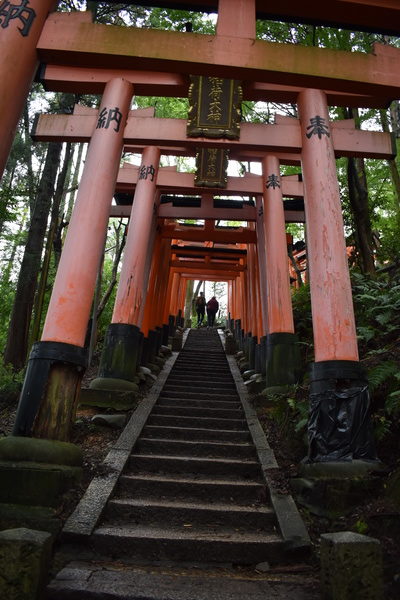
290	523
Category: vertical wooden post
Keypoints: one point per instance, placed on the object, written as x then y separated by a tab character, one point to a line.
56	363
122	345
336	367
282	352
237	18
131	292
20	32
331	298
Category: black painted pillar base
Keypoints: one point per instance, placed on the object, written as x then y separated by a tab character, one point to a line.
282	360
120	357
339	426
43	357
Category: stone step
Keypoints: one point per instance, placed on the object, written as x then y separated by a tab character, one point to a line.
205	517
195	365
234	468
168	401
186	544
183	378
192	488
194	448
200	395
205	435
196	422
195	411
199	382
108	581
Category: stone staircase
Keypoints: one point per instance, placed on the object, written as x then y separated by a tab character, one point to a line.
193	489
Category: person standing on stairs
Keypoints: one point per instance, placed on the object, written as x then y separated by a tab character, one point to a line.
200	308
212	309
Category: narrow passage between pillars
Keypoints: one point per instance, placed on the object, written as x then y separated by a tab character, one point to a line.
57	362
339	425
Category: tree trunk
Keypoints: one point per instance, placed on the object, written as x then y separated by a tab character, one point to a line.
358	197
196	293
394	172
51	241
18	333
74	183
188	300
114	274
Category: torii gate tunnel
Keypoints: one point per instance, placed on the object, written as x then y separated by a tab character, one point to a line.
77	55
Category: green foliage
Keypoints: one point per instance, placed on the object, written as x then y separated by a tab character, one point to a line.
10	382
360	526
301	302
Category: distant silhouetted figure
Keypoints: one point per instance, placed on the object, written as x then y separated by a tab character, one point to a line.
212	309
200	308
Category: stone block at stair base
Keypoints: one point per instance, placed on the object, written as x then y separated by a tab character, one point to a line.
282	359
42	518
176	343
106	398
334	488
24	561
351	567
35	484
36	471
230	345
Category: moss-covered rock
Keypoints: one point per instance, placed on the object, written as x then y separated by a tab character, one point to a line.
18	448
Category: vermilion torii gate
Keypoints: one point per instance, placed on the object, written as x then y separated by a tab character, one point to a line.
65	41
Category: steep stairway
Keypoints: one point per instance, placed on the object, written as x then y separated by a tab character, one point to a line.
193	489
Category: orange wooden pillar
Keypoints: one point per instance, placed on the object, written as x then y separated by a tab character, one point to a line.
282	352
161	284
122	345
20	31
262	265
147	322
252	335
181	299
339	426
57	362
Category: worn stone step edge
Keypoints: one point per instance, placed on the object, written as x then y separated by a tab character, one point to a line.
157	512
192	464
200	434
198	403
291	525
220	423
194	448
80	581
147	543
198	411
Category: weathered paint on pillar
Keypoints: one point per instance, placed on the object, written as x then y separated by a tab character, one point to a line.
149	257
331	299
173	296
19	33
237	18
182	294
148	322
230	302
162	283
71	299
131	289
262	266
279	303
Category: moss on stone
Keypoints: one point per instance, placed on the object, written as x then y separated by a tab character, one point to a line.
18	448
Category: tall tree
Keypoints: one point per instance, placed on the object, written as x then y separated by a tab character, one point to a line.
18	332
